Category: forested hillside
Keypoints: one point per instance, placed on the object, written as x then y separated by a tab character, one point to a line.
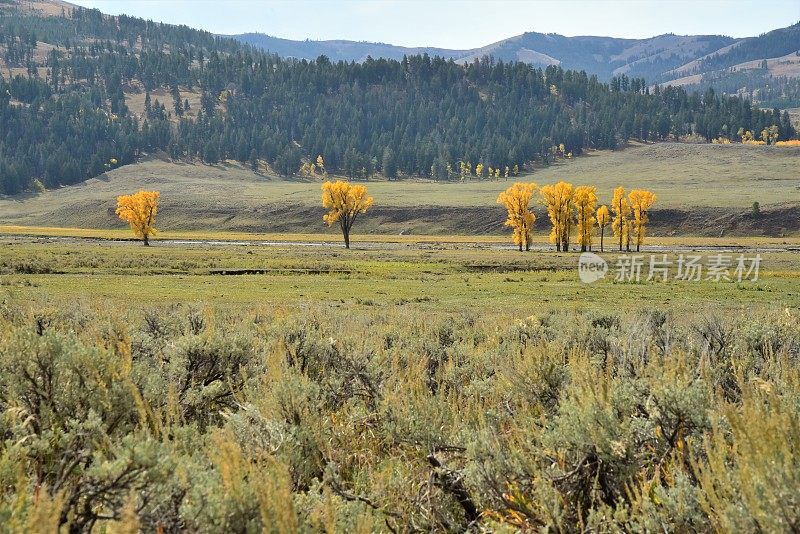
773	44
69	77
765	69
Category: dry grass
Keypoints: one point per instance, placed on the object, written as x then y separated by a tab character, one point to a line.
50	8
39	58
788	65
135	101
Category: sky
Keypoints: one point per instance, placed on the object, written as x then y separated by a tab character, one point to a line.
462	24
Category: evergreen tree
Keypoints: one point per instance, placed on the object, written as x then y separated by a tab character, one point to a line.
388	163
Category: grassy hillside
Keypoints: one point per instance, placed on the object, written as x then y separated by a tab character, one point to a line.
688	179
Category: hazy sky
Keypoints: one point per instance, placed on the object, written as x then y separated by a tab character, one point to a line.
462	24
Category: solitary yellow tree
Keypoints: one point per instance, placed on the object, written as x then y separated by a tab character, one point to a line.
641	201
479	170
558	200
585	200
516	200
622	210
463	170
139	210
602	221
344	202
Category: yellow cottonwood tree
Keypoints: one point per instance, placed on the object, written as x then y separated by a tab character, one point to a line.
516	199
312	168
344	202
641	201
463	170
139	210
308	169
622	212
558	200
602	219
585	200
770	135
479	170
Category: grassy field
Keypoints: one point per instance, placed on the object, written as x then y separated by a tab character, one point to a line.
686	178
439	277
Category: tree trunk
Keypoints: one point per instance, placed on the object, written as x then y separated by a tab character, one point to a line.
601	238
520	246
146	240
345	224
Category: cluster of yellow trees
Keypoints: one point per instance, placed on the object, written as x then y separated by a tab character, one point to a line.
316	168
573	211
310	169
481	171
769	136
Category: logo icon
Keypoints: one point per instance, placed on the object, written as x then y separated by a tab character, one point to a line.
591	267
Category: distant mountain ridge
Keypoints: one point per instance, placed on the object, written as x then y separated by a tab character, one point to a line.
660	59
338	50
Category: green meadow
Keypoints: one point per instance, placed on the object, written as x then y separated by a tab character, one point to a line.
444	277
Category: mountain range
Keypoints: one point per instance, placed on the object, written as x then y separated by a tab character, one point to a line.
663	59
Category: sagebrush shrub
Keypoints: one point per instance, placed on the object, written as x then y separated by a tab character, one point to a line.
176	419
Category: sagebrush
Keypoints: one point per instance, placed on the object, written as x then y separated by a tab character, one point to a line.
188	418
